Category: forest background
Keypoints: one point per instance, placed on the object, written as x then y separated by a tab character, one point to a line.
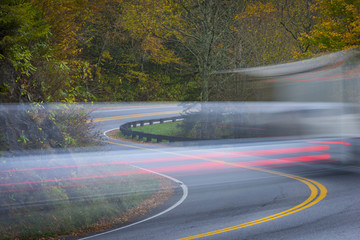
158	50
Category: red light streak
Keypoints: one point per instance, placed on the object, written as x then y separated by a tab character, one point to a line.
189	157
343	143
288	160
189	167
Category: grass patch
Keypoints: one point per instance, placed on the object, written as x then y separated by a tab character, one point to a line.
166	129
98	198
117	134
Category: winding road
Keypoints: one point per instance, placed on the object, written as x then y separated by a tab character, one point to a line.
228	190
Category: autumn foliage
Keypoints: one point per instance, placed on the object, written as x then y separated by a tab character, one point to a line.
337	26
164	50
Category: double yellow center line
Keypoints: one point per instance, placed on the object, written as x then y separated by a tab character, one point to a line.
318	191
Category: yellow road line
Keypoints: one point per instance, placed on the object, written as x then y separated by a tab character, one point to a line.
318	192
313	199
137	106
134	116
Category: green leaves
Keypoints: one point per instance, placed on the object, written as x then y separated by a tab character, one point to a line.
22	138
338	26
22	57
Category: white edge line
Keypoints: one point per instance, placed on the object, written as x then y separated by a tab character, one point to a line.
181	200
105	133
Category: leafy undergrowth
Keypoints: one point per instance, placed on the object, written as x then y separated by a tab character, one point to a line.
25	128
56	204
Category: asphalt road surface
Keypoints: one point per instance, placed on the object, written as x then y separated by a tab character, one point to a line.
227	190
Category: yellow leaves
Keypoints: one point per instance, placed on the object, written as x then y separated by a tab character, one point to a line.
338	25
219	45
157	52
67	19
132	75
152	44
233	28
257	9
106	56
150	22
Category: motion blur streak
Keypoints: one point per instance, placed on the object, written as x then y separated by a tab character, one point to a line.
115	174
343	143
223	165
216	154
304	75
287	160
64	186
333	77
70	166
178	168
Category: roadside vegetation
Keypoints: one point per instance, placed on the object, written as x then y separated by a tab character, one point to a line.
57	200
25	128
122	50
75	208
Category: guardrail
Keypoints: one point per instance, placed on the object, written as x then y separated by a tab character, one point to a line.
126	130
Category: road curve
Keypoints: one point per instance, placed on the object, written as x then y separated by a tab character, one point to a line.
241	191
